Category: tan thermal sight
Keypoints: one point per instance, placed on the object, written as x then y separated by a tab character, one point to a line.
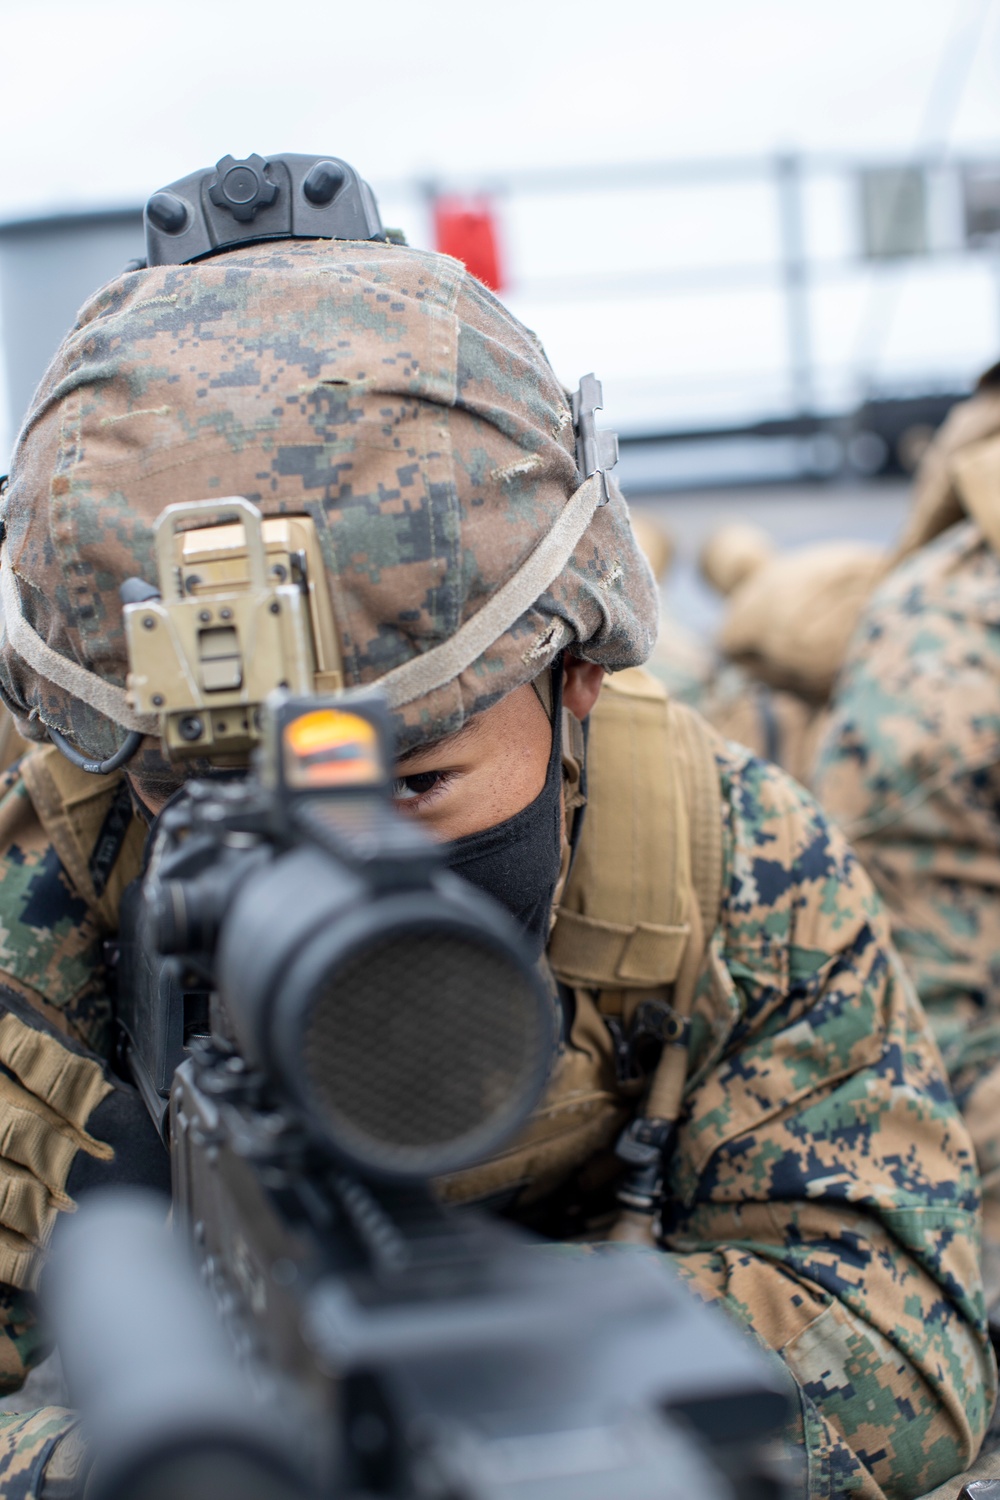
243	609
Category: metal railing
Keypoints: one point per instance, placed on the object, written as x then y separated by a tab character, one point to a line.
711	295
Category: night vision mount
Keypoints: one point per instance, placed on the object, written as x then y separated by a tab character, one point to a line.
257	198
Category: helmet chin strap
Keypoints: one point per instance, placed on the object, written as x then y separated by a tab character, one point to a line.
114	762
542	688
574	778
442	664
106	697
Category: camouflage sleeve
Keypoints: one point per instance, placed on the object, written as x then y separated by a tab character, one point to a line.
49	959
50	943
65	1121
823	1185
27	1444
909	766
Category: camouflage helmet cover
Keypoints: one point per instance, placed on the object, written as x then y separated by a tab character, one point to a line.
380	390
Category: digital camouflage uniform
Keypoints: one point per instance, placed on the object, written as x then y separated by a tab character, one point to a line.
821	1185
910	768
908	763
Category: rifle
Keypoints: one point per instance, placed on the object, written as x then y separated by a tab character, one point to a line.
322	1019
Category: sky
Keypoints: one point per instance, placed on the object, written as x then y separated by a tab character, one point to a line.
104	97
105	100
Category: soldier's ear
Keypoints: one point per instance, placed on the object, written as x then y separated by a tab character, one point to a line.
581	685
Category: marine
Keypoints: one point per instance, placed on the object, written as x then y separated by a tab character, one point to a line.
908	762
790	616
809	1170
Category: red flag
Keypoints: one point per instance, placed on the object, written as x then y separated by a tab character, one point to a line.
467	229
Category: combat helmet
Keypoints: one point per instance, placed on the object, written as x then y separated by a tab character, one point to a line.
468	527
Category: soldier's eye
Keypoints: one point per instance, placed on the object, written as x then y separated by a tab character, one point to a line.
411	788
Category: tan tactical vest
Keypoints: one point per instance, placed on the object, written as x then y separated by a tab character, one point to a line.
632	925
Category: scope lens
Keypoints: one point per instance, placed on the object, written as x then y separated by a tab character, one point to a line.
420	1053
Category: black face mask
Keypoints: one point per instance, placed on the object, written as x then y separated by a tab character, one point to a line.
517	862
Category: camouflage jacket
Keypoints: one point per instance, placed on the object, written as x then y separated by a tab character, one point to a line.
822	1186
909	765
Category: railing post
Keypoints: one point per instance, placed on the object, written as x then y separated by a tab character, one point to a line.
788	180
